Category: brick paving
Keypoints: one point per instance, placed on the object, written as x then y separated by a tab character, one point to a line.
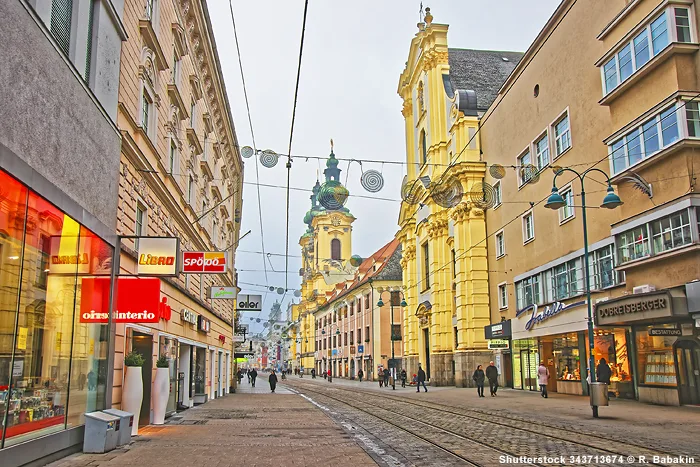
250	428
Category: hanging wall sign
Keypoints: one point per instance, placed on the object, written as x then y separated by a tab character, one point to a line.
157	256
204	262
203	324
249	303
222	292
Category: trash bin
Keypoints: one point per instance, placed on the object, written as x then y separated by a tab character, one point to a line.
101	432
126	421
599	394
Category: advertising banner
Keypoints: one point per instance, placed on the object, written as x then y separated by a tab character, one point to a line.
204	262
138	301
157	256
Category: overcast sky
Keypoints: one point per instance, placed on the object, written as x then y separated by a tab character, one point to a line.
354	52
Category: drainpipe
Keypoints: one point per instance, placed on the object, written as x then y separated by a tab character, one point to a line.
371	308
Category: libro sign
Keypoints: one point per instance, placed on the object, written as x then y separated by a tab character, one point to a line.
157	256
203	262
249	303
222	292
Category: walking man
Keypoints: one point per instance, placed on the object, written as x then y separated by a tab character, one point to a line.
543	379
252	374
421	379
478	378
403	378
387	374
380	374
360	374
272	379
492	376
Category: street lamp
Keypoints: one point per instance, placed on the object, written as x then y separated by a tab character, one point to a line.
403	304
611	201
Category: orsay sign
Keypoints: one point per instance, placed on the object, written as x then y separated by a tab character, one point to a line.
539	315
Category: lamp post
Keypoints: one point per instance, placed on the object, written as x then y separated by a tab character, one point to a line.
403	304
611	201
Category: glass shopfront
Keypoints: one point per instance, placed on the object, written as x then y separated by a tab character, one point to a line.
169	350
567	363
611	344
53	367
526	359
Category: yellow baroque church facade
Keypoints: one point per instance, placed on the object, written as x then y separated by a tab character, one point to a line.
441	222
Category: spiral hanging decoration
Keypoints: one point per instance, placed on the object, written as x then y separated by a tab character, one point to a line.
482	195
529	173
269	158
333	195
280	291
497	171
297	293
372	180
557	169
247	152
271	288
448	193
355	261
412	191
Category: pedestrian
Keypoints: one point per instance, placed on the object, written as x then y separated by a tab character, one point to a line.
330	376
272	379
479	378
421	379
325	374
492	375
313	373
387	374
403	378
543	379
360	374
248	374
91	380
301	372
380	375
252	374
81	380
239	375
603	372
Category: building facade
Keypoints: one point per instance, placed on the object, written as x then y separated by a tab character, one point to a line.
57	218
445	92
352	331
623	101
180	176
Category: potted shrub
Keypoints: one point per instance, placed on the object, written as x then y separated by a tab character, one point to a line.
132	393
161	390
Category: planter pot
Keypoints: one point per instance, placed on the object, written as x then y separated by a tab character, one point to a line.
161	391
132	395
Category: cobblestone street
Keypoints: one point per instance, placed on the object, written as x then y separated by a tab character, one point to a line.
313	422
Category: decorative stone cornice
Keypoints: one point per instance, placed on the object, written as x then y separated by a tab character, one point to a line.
437	228
433	58
461	211
407	108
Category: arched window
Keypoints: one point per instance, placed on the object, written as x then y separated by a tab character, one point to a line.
335	249
423	147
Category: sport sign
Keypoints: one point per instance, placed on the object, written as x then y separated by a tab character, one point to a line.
249	303
204	262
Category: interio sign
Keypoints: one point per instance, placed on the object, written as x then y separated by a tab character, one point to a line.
204	262
138	301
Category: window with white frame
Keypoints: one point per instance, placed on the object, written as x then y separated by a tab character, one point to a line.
567	211
140	224
565	279
193	110
176	68
190	189
542	152
633	244
497	194
528	227
146	112
172	160
649	42
692	116
500	244
502	296
645	140
671	232
603	274
527	292
150	9
562	135
524	173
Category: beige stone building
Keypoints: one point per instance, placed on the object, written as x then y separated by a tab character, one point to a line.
611	85
180	175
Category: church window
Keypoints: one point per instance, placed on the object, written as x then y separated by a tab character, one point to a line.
335	249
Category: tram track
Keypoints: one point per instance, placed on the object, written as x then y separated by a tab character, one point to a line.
623	450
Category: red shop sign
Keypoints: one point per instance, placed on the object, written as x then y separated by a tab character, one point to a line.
198	262
138	301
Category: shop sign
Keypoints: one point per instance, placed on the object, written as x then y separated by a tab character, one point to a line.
138	301
499	330
157	256
203	262
539	315
22	338
352	350
222	292
222	338
499	344
189	316
360	349
249	303
335	352
665	332
634	308
203	324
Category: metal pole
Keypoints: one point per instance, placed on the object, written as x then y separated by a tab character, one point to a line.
591	359
393	362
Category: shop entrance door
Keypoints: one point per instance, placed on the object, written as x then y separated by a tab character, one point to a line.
143	344
688	361
352	368
528	367
508	369
426	339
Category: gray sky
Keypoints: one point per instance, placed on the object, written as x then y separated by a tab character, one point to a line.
354	52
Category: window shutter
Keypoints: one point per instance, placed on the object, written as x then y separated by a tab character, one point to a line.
61	14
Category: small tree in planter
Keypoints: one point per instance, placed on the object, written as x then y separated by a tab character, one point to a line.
132	395
161	390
